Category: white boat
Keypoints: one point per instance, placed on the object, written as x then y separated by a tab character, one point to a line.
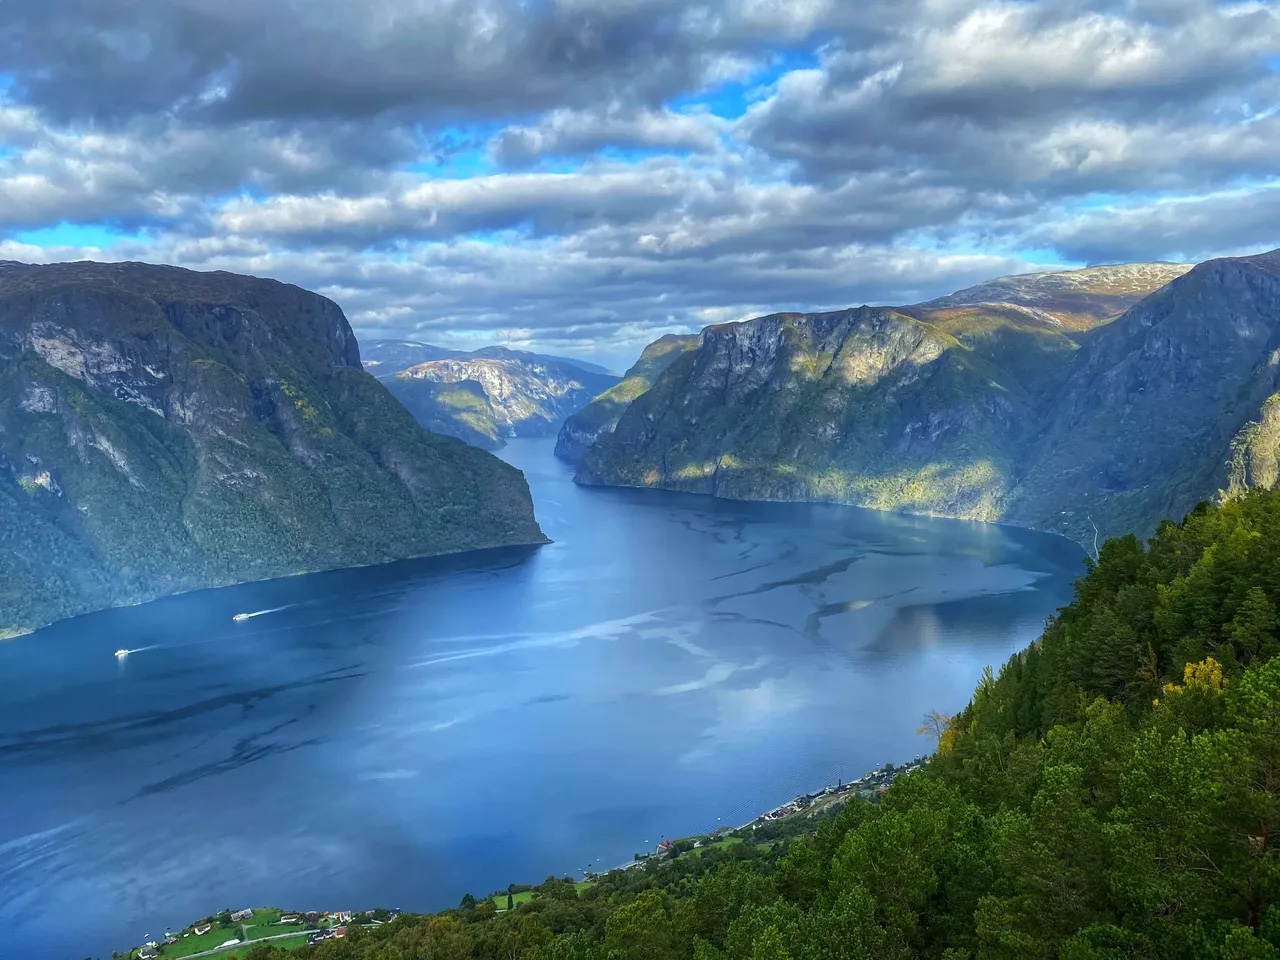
241	616
121	654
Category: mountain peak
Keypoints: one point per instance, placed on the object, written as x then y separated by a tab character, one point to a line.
1076	299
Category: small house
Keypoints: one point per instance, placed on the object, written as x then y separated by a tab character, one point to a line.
291	918
148	953
242	915
201	929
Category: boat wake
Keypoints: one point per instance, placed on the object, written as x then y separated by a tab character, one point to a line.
257	613
121	654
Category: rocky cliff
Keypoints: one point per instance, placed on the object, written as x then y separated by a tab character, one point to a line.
522	397
1037	408
598	418
1160	403
164	430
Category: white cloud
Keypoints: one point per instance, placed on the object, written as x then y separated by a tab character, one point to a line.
922	147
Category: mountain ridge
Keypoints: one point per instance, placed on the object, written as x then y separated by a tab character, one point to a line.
485	400
966	409
163	430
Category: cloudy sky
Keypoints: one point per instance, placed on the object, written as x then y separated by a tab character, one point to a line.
581	176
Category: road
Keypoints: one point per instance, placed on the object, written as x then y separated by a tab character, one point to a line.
249	943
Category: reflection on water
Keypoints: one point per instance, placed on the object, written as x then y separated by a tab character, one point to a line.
403	734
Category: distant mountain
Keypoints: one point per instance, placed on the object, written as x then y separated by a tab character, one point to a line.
598	418
1036	406
506	353
385	357
485	399
164	430
1074	299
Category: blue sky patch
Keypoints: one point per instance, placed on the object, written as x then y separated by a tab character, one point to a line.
74	235
729	101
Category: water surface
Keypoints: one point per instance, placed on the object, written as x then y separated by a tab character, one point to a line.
401	735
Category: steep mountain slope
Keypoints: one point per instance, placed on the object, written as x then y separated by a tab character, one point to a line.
164	430
524	398
866	406
1145	426
458	408
980	410
598	418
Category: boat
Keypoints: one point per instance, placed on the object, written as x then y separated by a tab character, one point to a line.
121	654
241	616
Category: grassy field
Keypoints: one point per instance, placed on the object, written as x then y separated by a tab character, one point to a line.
500	899
293	943
193	944
261	925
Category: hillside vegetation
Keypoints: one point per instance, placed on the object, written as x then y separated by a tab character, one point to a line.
1039	406
1113	792
492	394
165	430
599	417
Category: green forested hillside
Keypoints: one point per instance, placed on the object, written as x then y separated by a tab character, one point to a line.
165	430
1033	408
1110	793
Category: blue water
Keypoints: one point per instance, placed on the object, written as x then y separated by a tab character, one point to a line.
401	735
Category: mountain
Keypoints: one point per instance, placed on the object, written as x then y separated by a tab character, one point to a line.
1074	299
458	408
165	430
385	357
598	418
485	399
506	353
1037	408
1162	400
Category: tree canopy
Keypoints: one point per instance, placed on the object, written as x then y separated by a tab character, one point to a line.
1109	793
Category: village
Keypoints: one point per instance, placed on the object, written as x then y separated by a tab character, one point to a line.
239	930
234	932
867	787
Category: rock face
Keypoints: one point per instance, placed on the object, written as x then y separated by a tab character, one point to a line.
1037	408
521	397
165	430
1160	405
599	417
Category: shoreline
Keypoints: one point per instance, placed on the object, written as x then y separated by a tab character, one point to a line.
807	804
865	787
